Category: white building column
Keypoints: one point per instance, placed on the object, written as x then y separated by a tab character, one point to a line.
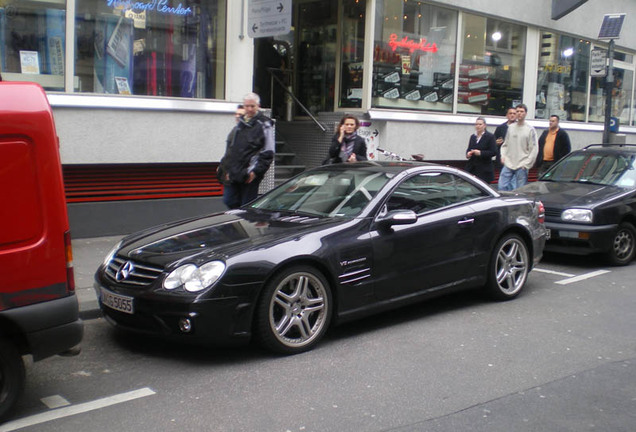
240	52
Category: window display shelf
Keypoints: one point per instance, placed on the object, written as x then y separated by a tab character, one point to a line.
47	81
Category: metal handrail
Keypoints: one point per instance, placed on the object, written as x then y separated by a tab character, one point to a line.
294	98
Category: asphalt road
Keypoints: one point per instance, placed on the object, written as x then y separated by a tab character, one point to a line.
561	357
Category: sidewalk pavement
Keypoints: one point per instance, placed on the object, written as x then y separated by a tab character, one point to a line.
88	254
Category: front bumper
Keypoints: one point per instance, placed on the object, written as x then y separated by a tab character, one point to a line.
580	239
224	320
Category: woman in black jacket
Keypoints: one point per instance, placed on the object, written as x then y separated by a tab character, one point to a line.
346	144
481	149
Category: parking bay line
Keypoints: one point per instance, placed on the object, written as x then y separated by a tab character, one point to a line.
552	272
75	409
582	277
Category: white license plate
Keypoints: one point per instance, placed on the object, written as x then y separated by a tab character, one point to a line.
118	302
569	234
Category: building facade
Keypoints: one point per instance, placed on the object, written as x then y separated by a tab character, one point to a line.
151	85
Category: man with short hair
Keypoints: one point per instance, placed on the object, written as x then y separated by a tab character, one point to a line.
500	134
518	152
248	154
554	143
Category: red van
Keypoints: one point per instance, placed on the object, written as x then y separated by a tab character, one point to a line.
39	313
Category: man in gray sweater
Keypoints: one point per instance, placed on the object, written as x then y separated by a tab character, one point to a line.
518	152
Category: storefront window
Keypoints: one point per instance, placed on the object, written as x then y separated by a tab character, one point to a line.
492	65
352	53
32	42
151	47
414	56
621	97
622	92
564	64
316	63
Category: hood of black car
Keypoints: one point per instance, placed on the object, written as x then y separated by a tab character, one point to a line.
223	234
564	195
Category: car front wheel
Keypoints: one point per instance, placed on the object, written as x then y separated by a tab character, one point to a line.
509	267
11	376
294	311
623	245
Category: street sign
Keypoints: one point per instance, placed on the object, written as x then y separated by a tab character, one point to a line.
268	18
598	60
613	126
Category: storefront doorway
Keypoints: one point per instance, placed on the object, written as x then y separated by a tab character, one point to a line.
320	60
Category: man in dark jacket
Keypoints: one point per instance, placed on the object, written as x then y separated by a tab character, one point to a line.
554	143
248	155
500	134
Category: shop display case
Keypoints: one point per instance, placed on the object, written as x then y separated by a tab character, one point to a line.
33	42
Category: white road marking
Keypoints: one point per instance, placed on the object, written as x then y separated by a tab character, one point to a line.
75	409
55	401
552	272
582	277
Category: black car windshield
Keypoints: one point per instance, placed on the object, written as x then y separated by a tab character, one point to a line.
601	168
326	192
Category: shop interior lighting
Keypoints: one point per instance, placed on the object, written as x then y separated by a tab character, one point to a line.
496	36
568	52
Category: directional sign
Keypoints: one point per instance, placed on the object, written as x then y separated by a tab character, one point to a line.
268	18
614	124
598	60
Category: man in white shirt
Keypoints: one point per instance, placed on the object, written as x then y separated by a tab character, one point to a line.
518	152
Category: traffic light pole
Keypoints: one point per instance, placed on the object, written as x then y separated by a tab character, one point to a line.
609	87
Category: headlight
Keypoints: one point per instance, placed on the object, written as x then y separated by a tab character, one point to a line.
194	278
577	215
112	253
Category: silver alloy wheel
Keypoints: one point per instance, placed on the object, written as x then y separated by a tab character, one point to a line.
298	309
511	266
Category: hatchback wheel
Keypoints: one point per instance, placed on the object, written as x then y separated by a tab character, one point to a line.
623	245
11	376
294	311
509	267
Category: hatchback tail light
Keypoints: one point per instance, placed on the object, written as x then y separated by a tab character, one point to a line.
541	212
68	250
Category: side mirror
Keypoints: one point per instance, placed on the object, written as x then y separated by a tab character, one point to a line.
397	217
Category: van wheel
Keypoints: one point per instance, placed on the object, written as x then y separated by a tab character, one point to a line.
11	376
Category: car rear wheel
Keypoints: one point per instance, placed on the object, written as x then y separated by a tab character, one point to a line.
294	311
11	376
623	245
509	267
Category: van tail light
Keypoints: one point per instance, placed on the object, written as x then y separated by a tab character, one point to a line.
70	274
541	214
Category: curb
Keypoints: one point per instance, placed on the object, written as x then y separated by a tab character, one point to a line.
90	310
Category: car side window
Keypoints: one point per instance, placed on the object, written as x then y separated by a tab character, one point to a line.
431	191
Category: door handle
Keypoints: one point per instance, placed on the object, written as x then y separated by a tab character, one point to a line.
466	221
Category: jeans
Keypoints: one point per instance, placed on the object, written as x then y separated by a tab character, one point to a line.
512	179
237	194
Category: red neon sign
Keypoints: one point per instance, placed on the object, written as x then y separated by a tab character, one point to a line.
422	45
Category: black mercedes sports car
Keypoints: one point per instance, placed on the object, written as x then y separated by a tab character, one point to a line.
590	202
332	244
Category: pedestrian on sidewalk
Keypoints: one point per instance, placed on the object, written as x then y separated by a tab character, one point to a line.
249	153
554	143
481	149
518	152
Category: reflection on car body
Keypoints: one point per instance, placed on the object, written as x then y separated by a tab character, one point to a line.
335	243
590	200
